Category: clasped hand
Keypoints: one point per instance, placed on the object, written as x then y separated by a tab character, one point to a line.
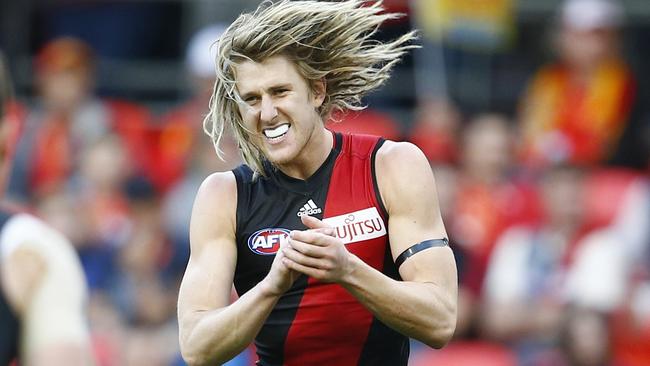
316	252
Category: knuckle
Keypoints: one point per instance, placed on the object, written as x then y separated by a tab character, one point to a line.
294	245
306	251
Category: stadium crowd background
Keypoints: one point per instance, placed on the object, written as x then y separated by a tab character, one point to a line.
534	115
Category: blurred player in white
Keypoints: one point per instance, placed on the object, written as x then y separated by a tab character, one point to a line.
42	286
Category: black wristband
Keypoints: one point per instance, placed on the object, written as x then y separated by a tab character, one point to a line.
420	247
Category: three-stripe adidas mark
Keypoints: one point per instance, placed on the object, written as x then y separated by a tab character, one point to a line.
309	208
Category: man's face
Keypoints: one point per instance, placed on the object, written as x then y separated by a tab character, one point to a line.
488	146
563	196
64	90
280	109
586	49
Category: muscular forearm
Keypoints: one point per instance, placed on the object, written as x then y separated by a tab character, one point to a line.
423	311
214	336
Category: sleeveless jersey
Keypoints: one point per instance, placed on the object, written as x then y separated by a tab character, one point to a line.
318	323
10	326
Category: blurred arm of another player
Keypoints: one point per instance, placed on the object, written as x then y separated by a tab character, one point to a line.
212	330
45	286
422	306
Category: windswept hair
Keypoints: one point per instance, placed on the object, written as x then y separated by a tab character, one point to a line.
330	41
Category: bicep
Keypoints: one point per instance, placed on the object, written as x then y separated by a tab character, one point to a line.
208	278
408	188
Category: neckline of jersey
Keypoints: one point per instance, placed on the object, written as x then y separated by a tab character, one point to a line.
316	180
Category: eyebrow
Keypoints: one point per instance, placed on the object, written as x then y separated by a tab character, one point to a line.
281	86
271	88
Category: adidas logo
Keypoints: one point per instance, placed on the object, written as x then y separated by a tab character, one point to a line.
309	208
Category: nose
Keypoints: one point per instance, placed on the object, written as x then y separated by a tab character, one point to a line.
268	111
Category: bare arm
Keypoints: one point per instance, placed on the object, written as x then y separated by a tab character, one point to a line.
423	306
212	330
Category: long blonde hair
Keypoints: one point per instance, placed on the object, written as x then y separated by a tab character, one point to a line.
330	41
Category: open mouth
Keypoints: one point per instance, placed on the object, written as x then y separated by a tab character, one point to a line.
277	132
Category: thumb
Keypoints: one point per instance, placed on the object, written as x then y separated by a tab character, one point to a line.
316	224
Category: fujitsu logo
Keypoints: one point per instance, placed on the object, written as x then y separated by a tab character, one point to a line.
358	226
309	208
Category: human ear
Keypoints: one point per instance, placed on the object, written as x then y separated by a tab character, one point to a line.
319	90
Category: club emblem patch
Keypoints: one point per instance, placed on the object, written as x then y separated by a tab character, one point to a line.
267	241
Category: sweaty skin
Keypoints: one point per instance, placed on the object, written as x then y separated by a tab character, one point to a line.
423	306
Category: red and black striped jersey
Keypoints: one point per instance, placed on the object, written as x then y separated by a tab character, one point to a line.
318	323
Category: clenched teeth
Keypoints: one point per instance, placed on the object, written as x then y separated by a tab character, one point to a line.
277	131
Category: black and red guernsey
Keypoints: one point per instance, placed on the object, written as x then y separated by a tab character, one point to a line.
318	323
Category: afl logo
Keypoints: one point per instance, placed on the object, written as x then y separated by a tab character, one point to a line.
267	241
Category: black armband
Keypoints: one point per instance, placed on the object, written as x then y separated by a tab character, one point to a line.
420	247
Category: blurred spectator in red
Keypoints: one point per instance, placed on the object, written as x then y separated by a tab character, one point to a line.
489	198
182	126
69	117
617	216
13	114
576	108
608	281
366	122
436	130
558	283
625	210
523	290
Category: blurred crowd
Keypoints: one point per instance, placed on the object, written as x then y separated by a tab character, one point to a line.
120	183
547	210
